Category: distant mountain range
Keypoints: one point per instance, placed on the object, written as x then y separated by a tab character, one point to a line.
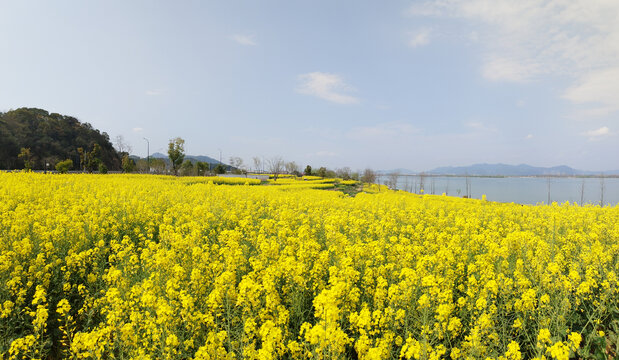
194	158
506	170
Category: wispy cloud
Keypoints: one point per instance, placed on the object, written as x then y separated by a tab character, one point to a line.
597	134
599	87
419	38
330	87
247	40
504	69
137	129
383	130
154	92
479	127
525	40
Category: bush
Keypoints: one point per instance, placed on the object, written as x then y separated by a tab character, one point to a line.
102	169
64	166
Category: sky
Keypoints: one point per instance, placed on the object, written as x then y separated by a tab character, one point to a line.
379	84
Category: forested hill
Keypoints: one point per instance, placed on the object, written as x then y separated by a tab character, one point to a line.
50	138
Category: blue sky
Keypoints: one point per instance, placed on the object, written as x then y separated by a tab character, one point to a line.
397	84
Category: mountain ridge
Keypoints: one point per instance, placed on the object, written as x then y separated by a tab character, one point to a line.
500	169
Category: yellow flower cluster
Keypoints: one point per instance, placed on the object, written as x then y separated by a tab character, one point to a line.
150	267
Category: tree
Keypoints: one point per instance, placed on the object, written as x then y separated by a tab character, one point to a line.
93	161
343	173
176	153
187	168
82	155
237	165
291	167
220	169
322	172
308	170
201	168
121	145
102	168
392	180
128	164
64	166
26	156
369	176
257	164
276	166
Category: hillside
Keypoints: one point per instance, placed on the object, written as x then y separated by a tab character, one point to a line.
51	138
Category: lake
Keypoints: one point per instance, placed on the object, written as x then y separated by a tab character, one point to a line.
521	190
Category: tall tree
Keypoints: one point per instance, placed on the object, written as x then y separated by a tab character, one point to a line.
276	166
93	160
121	145
176	153
26	156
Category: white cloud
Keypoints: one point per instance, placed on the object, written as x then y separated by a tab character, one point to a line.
154	92
326	86
529	137
480	127
137	129
419	38
384	130
597	133
499	69
526	39
247	40
599	87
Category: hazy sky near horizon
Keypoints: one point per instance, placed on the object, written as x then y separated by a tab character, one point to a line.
381	84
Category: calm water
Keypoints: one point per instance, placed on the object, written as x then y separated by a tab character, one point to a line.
522	190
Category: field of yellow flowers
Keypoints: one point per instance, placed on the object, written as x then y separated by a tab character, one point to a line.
152	267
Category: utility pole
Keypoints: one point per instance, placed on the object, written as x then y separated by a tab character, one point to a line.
147	154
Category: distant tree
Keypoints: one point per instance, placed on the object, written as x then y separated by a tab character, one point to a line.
354	176
392	180
343	173
422	182
237	165
26	156
176	153
330	174
93	161
128	164
158	166
369	176
582	192
121	145
276	166
202	168
307	171
257	164
64	166
220	169
602	188
322	172
291	167
82	155
102	168
187	168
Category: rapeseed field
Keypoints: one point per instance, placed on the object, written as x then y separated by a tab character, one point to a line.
156	267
